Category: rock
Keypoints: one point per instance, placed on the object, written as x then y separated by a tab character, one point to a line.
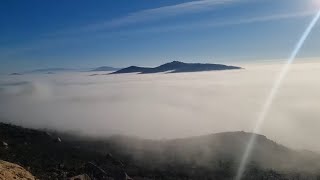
127	177
95	171
58	140
6	146
81	177
114	161
13	171
61	166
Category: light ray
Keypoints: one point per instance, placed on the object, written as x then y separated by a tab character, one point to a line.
266	107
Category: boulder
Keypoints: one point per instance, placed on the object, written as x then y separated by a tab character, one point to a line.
81	177
5	145
9	171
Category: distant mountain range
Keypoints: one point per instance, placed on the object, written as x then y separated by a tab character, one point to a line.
105	68
171	67
61	70
176	67
15	74
51	70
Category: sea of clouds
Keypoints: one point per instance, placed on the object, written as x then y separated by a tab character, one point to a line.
169	105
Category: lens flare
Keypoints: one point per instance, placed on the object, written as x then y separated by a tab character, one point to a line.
266	107
316	3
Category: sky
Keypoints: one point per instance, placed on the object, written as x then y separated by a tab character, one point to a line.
81	34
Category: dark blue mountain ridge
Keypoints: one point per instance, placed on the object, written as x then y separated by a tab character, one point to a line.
176	67
132	69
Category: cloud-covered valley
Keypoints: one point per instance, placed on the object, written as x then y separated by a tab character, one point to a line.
160	106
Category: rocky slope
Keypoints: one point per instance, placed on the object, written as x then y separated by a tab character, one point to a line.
51	155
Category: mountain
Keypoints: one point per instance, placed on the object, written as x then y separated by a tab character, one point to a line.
176	67
51	70
208	149
132	69
15	74
48	156
105	68
57	70
51	155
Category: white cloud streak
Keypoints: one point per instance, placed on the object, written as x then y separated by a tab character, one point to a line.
161	13
214	24
153	14
198	6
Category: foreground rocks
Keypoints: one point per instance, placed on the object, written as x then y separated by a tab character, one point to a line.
49	156
9	171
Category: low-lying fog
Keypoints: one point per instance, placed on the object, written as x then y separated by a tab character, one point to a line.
169	105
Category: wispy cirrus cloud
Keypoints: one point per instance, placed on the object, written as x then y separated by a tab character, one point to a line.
163	12
146	15
100	30
232	22
57	41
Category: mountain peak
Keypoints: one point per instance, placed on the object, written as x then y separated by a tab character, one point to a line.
177	67
175	62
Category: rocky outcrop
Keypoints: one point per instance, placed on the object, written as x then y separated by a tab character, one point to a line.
9	171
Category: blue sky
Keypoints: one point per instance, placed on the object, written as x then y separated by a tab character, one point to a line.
80	34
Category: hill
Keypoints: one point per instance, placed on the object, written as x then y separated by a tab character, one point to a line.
176	67
204	150
48	156
51	155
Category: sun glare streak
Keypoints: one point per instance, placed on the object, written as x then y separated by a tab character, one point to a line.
316	3
266	107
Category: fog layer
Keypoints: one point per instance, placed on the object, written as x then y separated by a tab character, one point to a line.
169	105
